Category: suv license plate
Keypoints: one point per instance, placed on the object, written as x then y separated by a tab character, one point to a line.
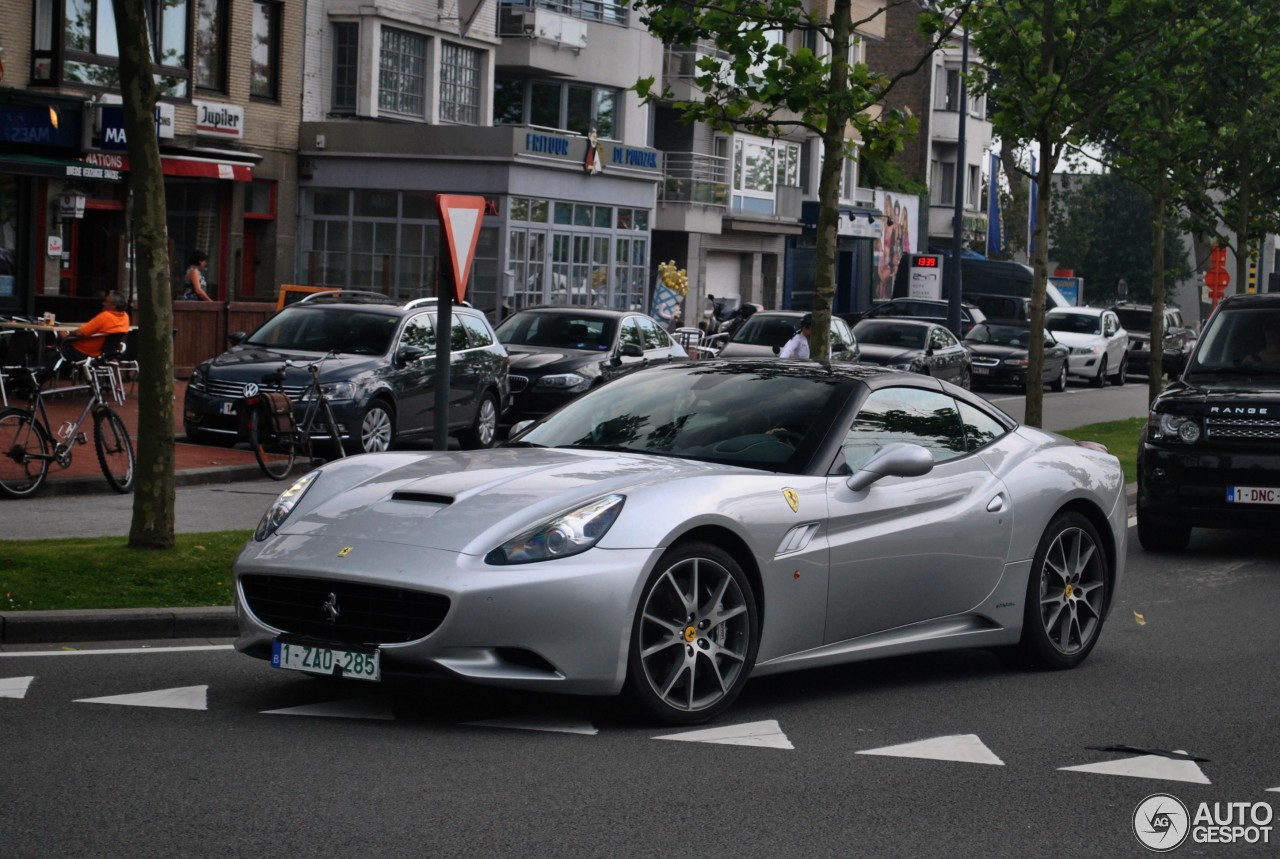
316	659
1252	495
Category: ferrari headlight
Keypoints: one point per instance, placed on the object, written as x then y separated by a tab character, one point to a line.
283	506
569	383
1177	428
564	535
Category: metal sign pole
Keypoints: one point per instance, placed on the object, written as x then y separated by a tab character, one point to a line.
444	343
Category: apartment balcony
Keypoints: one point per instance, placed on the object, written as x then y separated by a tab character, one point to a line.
587	41
694	193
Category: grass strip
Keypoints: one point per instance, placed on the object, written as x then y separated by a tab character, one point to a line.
1119	437
103	572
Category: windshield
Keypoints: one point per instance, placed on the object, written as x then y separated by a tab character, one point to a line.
320	329
766	330
557	330
1244	340
756	416
1135	320
890	334
999	335
1074	323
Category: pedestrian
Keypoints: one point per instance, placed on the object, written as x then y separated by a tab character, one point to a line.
798	345
195	282
88	339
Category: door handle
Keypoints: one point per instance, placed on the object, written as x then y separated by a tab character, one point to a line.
996	505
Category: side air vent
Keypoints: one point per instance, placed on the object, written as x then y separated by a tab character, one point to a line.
797	538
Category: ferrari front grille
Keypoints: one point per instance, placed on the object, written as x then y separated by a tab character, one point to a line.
342	610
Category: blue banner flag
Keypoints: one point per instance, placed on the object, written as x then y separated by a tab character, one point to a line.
996	244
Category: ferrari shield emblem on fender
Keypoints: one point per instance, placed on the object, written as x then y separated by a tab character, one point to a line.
793	499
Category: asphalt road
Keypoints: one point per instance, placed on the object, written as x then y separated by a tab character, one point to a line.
220	755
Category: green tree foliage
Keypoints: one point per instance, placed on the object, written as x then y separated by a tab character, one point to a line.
759	74
1103	229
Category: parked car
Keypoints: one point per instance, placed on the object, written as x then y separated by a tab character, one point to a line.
915	345
1098	342
558	352
1208	456
920	308
1179	340
678	530
380	377
765	333
999	354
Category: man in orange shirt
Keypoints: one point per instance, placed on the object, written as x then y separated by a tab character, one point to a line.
87	340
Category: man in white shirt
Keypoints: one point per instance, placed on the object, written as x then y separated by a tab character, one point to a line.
798	346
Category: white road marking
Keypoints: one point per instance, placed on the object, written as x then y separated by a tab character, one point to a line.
14	687
116	651
371	707
1147	766
961	748
767	734
1273	790
564	723
180	698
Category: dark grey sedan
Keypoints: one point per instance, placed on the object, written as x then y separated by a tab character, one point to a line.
999	354
914	345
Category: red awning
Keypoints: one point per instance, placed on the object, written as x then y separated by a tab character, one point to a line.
205	168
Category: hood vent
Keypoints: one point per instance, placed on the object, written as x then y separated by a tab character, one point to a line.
421	497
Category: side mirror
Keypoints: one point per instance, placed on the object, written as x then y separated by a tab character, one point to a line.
630	350
409	354
235	338
897	459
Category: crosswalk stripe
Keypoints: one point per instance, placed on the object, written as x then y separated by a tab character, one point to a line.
767	734
961	748
1147	766
14	687
181	698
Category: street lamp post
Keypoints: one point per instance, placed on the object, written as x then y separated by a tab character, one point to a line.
953	306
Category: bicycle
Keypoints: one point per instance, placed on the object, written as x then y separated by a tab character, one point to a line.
28	445
276	436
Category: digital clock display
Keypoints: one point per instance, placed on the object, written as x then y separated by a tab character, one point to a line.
926	262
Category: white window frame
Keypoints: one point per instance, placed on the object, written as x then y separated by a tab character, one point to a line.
458	79
395	104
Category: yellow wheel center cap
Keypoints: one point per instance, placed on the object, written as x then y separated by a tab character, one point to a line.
1070	590
690	634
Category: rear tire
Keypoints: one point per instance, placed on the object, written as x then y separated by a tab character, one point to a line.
115	450
1060	384
1157	534
484	429
1066	594
275	454
20	434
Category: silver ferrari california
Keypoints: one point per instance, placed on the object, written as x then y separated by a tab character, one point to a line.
684	527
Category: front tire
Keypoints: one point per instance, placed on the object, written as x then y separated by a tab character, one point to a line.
484	430
21	435
1100	380
115	450
377	429
1122	373
1066	594
1157	534
1060	384
695	636
275	454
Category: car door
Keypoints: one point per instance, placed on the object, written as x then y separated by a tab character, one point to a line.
908	549
657	343
949	357
843	344
1117	340
412	375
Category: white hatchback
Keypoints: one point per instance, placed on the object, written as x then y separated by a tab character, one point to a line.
1098	342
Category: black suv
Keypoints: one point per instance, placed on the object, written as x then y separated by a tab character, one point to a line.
1179	340
381	379
1210	454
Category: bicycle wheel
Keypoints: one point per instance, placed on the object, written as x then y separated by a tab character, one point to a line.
20	436
115	451
275	453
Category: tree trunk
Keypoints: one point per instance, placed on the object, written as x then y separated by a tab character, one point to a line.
153	497
1159	204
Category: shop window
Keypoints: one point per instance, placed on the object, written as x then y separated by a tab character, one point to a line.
460	79
402	73
260	200
85	31
346	67
211	45
264	73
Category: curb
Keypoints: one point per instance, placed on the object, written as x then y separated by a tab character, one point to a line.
129	624
98	485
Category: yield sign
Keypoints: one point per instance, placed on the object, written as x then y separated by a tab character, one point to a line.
461	217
